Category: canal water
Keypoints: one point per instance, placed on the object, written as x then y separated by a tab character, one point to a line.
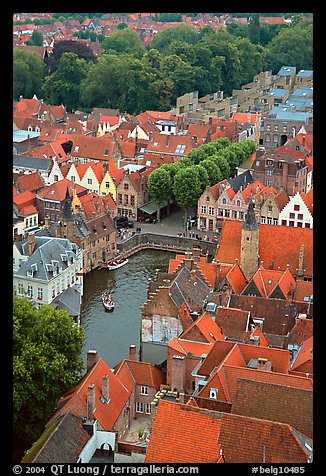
111	333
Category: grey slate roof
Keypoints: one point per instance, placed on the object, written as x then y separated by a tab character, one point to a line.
47	250
188	291
32	163
63	444
241	180
68	301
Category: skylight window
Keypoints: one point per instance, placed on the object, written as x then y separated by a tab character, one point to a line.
155	144
180	149
77	148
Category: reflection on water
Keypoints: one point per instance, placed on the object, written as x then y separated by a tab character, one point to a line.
111	333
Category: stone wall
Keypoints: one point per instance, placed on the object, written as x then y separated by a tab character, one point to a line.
162	242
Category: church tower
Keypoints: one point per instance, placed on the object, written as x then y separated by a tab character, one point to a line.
249	256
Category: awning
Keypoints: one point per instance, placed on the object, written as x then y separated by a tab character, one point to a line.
151	207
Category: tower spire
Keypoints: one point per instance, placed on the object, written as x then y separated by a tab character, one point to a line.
250	218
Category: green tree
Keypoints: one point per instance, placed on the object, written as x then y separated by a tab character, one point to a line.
63	86
36	39
160	188
179	72
291	47
254	28
203	176
213	171
184	33
46	362
187	188
126	40
28	73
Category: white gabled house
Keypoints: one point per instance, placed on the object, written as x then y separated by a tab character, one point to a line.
49	271
298	212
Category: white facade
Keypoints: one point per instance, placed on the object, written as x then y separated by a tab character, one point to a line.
67	272
296	213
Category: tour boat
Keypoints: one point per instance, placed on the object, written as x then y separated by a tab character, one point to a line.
117	263
107	301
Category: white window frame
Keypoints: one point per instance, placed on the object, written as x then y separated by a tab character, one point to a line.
139	407
148	409
144	390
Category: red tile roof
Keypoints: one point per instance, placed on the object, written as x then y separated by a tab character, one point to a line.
303	361
27	211
96	167
236	279
75	400
24	199
184	346
173	432
237	439
208	328
57	191
308	199
301	331
143	373
278	245
31	182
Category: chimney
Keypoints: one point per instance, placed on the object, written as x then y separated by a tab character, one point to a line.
301	256
47	221
105	388
31	243
254	340
90	402
284	329
132	352
91	359
196	254
178	373
264	364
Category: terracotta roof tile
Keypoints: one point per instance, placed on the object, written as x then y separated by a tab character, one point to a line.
303	360
31	182
239	439
262	400
278	245
58	190
25	198
301	331
75	400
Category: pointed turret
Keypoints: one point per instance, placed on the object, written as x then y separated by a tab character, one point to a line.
250	218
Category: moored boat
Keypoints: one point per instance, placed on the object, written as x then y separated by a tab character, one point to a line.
107	301
117	263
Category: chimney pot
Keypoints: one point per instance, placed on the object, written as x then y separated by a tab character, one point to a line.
105	387
132	352
31	243
90	402
91	359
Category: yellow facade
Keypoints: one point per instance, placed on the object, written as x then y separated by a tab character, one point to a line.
108	186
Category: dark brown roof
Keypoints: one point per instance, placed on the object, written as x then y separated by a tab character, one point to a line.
274	402
61	442
275	311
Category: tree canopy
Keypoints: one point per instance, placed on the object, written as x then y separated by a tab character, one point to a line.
28	73
46	362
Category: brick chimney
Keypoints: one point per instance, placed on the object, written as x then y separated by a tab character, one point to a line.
132	352
106	388
90	402
47	221
91	359
264	364
301	256
178	373
31	243
196	254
